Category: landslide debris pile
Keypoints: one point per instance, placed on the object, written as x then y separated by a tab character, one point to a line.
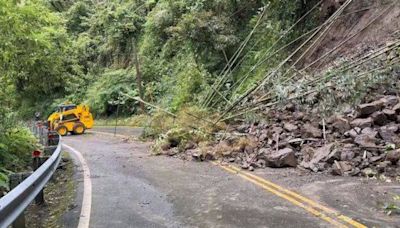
363	141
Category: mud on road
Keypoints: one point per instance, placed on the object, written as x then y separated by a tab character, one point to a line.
130	188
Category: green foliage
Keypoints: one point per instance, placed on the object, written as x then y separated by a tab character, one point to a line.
108	88
16	146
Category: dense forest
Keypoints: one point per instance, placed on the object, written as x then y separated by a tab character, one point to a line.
175	54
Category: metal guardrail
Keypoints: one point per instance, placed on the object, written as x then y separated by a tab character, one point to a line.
13	205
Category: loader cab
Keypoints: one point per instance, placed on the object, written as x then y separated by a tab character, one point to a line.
64	108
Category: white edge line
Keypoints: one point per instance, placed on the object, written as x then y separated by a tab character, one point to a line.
84	218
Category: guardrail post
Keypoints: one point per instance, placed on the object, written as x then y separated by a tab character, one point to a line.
15	180
36	163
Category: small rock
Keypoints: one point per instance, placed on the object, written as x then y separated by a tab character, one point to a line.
366	140
390	100
374	159
165	146
290	127
173	151
396	108
298	116
365	110
353	132
362	123
243	128
382	166
341	125
390	114
311	131
388	133
251	168
379	118
347	154
393	156
368	172
190	145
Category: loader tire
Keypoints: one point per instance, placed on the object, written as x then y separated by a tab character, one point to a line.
79	128
62	130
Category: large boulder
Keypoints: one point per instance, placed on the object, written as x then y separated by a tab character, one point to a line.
282	158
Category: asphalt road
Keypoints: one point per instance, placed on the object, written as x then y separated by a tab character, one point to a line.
130	188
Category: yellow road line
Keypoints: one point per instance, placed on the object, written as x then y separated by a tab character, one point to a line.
298	200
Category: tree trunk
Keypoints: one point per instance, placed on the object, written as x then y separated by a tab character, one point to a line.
138	78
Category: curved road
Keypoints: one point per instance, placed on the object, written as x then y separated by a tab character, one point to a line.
130	188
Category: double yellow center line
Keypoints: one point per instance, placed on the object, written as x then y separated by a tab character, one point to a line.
327	214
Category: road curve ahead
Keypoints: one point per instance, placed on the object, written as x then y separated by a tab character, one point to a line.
130	188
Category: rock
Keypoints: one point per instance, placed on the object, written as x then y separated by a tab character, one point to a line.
396	108
282	158
369	131
245	165
390	100
390	114
362	123
342	167
196	155
322	154
290	127
311	131
165	146
298	116
368	172
347	152
366	140
382	166
190	145
393	156
341	125
374	159
353	132
388	133
290	107
173	151
243	128
365	110
251	168
379	118
261	163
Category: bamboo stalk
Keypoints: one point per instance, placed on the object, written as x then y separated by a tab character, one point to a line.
258	85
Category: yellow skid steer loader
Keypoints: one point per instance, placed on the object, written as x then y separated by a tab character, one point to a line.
71	118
